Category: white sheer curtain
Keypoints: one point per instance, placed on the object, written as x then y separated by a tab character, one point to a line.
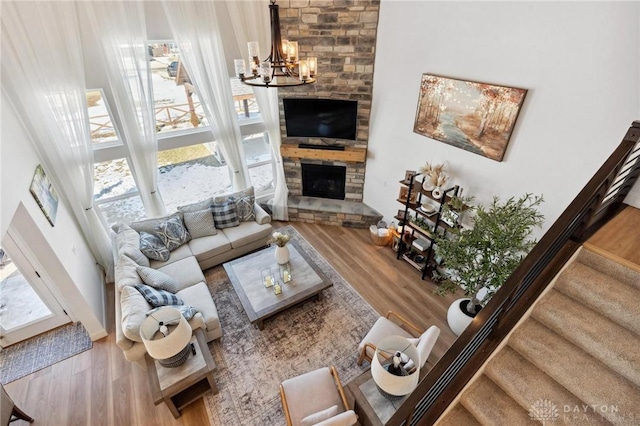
43	76
250	21
195	28
121	28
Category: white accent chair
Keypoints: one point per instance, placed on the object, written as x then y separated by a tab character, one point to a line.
316	398
393	324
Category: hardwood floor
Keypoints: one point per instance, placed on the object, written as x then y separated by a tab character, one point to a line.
100	387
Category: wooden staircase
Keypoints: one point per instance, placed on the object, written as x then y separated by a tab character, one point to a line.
574	360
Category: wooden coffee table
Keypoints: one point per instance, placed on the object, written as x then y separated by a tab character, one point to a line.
259	302
180	386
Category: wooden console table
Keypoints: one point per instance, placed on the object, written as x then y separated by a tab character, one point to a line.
180	386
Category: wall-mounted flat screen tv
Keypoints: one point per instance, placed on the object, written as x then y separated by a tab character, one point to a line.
320	118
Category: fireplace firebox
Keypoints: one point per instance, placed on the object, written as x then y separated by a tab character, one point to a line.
323	181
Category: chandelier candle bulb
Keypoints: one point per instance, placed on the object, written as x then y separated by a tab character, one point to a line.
285	48
293	51
313	65
304	70
265	71
240	67
254	56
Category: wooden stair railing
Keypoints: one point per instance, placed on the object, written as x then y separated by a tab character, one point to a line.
600	200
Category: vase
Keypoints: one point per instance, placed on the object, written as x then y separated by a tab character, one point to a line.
282	255
437	192
427	185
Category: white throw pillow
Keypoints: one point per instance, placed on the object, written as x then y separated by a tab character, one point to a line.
158	279
315	418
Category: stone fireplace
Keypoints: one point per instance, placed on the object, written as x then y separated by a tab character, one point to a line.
342	35
319	180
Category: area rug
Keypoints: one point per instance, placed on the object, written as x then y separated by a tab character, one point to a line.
39	352
252	363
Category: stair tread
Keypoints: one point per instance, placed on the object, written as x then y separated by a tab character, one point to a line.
458	416
579	372
528	385
610	268
611	298
600	337
491	406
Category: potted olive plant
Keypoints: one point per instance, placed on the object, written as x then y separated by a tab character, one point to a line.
481	258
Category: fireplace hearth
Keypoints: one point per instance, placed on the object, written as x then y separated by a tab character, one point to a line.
323	181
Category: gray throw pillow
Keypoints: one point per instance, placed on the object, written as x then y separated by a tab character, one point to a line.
225	215
157	279
158	297
172	233
200	223
153	247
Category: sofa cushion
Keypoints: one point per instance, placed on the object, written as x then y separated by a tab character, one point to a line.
199	297
157	297
128	242
157	279
247	232
187	311
200	223
186	271
126	273
225	215
172	233
178	254
148	225
194	207
134	308
213	245
153	247
244	201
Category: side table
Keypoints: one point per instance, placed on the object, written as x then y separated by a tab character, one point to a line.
180	386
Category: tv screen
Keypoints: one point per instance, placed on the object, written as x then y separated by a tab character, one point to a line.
321	118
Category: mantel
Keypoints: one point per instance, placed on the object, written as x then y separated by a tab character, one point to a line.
350	154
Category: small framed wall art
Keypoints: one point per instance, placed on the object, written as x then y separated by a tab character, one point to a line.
44	194
477	117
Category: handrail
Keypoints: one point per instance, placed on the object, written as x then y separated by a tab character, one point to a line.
600	200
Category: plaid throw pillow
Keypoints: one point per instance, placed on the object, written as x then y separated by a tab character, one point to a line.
244	201
158	297
225	215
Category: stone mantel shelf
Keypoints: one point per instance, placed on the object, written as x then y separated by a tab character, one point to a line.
350	154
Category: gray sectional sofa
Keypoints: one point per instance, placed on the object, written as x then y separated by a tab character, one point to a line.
185	265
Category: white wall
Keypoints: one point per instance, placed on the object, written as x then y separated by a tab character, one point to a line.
60	249
578	60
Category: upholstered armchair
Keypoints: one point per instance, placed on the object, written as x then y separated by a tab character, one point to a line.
316	398
394	324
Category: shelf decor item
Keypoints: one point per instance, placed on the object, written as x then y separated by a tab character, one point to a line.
280	239
267	277
477	117
434	176
166	335
480	259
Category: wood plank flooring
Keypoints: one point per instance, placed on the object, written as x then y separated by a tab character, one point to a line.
100	387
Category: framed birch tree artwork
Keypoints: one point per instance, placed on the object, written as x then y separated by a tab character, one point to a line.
45	194
476	117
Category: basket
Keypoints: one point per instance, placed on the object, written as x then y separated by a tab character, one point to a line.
381	241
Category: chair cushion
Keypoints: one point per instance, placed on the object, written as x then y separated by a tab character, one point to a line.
157	279
225	215
153	247
315	418
158	297
382	328
311	392
200	223
427	341
199	297
172	233
247	233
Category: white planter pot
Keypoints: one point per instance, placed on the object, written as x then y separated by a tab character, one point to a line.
457	318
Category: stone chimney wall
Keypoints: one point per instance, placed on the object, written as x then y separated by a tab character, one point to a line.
342	35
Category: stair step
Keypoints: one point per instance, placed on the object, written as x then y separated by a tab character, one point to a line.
528	386
458	416
491	406
605	340
580	373
610	268
611	298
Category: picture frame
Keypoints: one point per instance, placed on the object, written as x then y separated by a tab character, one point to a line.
44	194
450	217
476	117
400	215
403	194
408	174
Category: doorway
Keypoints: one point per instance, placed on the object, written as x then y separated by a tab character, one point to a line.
27	305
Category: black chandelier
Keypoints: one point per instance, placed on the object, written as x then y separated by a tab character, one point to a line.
283	67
